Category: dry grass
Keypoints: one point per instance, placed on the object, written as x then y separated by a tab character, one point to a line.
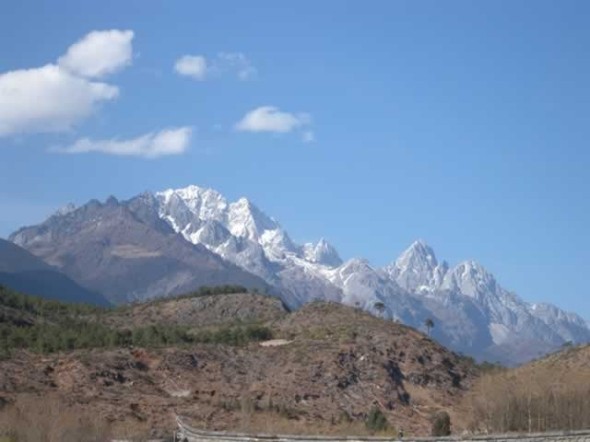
550	394
266	422
49	419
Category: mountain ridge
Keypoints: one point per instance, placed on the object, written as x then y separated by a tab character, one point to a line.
125	251
23	271
473	313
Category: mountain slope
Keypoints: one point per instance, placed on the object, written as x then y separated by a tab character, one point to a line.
472	312
23	271
126	252
469	299
244	235
327	368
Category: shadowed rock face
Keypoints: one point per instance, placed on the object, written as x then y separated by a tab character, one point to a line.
126	252
24	272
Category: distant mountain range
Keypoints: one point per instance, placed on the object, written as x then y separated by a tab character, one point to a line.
23	271
171	241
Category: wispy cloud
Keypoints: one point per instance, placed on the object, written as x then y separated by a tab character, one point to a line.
194	66
235	62
198	67
55	97
173	141
271	119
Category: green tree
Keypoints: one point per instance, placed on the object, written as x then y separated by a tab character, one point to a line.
429	323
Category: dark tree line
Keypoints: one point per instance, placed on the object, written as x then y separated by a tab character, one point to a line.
46	326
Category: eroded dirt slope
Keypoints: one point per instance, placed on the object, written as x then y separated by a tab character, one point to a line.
335	365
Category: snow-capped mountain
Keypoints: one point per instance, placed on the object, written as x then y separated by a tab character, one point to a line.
322	253
471	311
417	269
241	233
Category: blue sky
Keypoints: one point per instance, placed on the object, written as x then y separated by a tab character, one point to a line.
462	123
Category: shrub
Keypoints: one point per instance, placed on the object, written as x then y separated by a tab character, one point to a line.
376	421
441	424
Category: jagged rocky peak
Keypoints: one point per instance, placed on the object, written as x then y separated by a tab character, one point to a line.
413	287
205	203
550	313
111	201
189	210
355	265
471	279
418	256
417	268
65	210
247	220
322	253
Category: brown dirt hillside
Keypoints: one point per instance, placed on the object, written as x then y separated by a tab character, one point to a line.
335	364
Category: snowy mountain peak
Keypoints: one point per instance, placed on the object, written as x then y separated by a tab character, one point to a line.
417	268
206	204
247	220
192	193
471	279
419	254
472	270
355	265
474	314
322	253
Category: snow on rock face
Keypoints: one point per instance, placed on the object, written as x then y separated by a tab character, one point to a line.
187	209
245	219
417	268
241	233
471	310
206	204
68	208
322	253
470	279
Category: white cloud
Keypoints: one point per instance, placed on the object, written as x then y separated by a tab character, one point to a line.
174	141
47	99
271	119
55	97
99	53
199	68
194	66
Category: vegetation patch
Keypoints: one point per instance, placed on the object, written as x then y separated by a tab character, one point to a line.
49	326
